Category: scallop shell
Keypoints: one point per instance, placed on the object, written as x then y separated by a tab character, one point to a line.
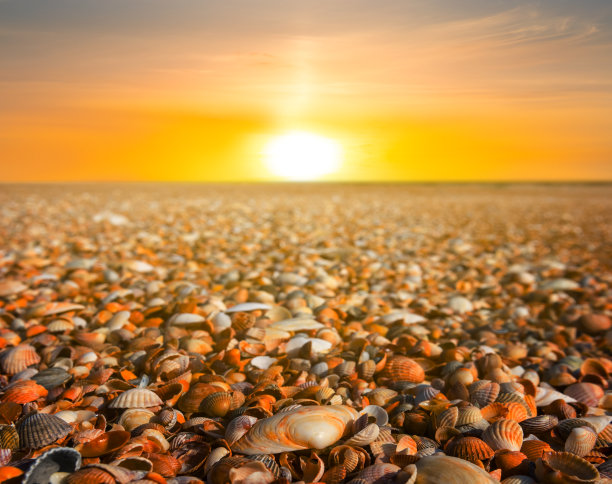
18	358
377	472
136	398
485	394
518	480
40	429
9	438
539	425
587	393
166	465
511	462
401	368
566	468
468	448
299	429
468	415
581	441
364	436
449	417
61	459
23	391
437	469
50	378
216	404
504	434
366	369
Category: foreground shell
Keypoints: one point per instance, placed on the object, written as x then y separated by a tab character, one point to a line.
437	469
401	368
17	359
565	468
61	459
504	434
40	429
299	429
136	398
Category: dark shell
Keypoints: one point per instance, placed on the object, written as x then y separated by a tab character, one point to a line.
61	459
40	429
52	377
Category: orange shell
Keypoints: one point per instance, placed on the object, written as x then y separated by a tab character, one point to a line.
18	358
587	393
401	368
105	443
468	448
9	472
534	449
511	462
24	391
504	434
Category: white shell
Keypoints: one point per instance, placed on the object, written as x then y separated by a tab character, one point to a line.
297	324
248	306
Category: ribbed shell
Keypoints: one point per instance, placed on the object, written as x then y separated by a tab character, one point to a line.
366	370
9	438
136	398
468	448
364	436
52	377
504	434
580	441
468	415
539	425
40	429
401	368
238	427
18	358
61	459
217	404
534	449
24	391
485	395
450	470
448	418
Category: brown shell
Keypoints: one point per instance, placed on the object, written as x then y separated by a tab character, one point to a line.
468	448
136	398
40	429
581	441
366	370
534	449
18	358
539	425
402	368
216	404
566	468
9	438
335	474
511	462
587	393
24	391
485	394
166	465
105	443
449	417
190	401
504	434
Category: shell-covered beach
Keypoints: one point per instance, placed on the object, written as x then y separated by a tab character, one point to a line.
316	333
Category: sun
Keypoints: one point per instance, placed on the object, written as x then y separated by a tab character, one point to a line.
299	155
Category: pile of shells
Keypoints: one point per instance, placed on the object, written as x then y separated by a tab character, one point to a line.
364	336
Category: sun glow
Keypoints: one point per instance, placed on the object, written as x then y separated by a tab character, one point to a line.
300	155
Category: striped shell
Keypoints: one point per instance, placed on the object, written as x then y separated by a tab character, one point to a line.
581	441
136	398
364	436
468	415
18	358
303	428
24	391
485	394
587	393
534	449
504	434
60	459
217	404
238	427
134	417
563	467
511	462
9	438
468	448
401	368
40	429
539	425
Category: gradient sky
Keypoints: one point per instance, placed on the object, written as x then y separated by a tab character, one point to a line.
413	90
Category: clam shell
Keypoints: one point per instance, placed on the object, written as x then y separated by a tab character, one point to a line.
534	449
449	417
468	448
581	441
134	417
401	368
136	398
438	469
468	415
518	480
380	414
18	358
504	434
546	396
40	429
511	462
61	459
563	467
299	429
23	391
105	443
52	377
377	472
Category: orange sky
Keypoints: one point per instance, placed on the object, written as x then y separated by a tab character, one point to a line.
191	90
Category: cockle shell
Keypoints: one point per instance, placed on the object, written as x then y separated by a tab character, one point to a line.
402	368
380	415
377	473
534	448
468	448
136	398
485	394
587	393
18	358
504	434
539	425
134	417
580	441
565	468
61	459
216	404
299	429
438	469
40	429
545	396
238	427
9	438
364	436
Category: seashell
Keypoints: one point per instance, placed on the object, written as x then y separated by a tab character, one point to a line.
366	370
468	415
105	443
504	434
334	475
380	415
598	422
299	429
23	391
450	470
444	434
18	358
61	459
517	398
136	398
563	467
384	443
534	449
495	411
166	465
193	454
251	473
546	396
134	464
135	417
215	456
364	436
580	441
10	473
50	378
249	306
237	427
9	412
98	474
468	448
401	368
377	473
587	393
296	324
40	429
539	425
381	396
485	394
216	404
449	417
9	438
511	462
